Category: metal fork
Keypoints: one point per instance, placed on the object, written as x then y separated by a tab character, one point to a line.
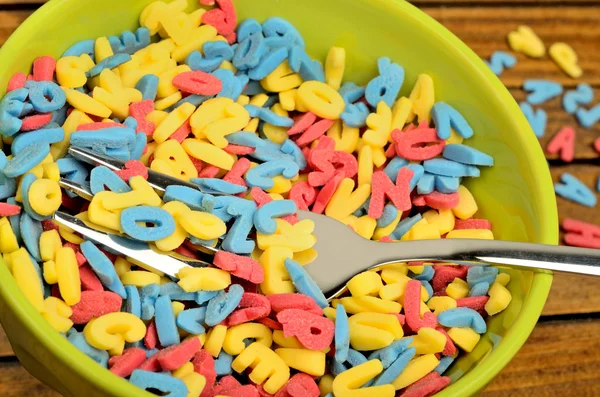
342	253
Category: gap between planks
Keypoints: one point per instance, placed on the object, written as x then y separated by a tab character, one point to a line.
558	359
15	381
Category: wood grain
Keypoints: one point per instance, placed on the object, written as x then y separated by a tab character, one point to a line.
15	381
5	349
10	21
586	173
559	359
484	29
573	294
557	119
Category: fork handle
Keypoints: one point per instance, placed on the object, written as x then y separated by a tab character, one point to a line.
523	256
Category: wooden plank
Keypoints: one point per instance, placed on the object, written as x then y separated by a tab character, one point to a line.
485	29
573	294
559	359
5	349
586	173
10	22
15	381
21	2
557	119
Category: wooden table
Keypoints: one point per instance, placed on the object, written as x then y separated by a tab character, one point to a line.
562	356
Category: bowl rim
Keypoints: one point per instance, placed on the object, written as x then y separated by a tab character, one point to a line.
476	378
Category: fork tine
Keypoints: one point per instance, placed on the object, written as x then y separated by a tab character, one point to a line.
82	191
137	250
157	180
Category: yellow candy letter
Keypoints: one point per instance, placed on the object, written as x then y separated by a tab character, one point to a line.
266	366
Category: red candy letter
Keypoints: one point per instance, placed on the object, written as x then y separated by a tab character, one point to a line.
224	19
240	266
229	386
89	280
43	68
235	175
299	385
17	81
563	142
314	132
126	363
441	201
472	224
476	303
450	348
581	234
36	122
9	209
302	123
198	83
303	195
313	332
95	304
281	302
139	111
427	386
174	357
151	338
445	274
348	163
320	161
133	168
252	307
412	308
418	144
326	193
204	364
399	193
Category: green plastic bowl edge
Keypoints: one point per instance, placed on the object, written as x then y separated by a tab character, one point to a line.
476	378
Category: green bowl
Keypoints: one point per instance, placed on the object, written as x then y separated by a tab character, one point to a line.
516	195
